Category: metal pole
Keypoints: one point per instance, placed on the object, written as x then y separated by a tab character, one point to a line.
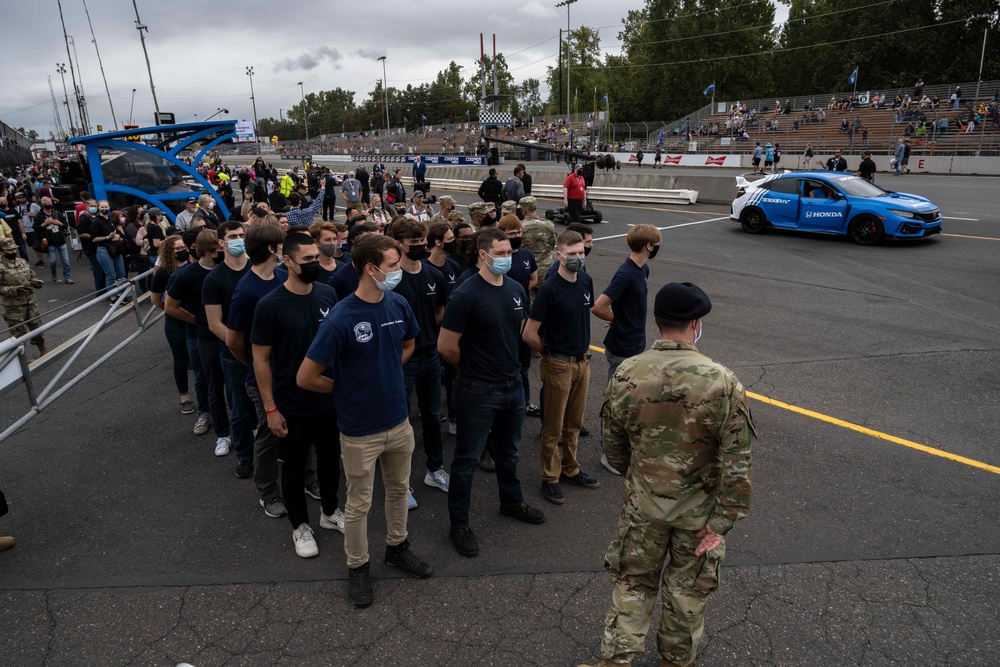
254	101
140	27
131	107
61	68
385	93
82	97
982	56
72	71
305	113
93	38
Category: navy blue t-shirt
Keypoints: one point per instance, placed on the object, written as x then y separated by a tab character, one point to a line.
425	291
363	343
522	266
249	291
185	286
344	280
563	308
451	270
490	319
288	322
626	336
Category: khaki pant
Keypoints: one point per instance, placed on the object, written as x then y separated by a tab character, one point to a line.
393	449
565	384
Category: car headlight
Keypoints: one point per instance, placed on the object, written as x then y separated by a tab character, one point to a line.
902	214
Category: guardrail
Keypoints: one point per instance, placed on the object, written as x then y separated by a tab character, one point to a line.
638	195
15	369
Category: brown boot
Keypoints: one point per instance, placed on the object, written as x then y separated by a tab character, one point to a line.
6	542
42	350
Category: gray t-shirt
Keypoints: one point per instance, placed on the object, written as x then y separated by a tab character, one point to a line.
352	190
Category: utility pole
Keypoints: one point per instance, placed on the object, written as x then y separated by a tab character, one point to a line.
131	107
981	58
252	99
55	110
305	112
82	98
142	38
385	92
566	4
93	38
72	71
61	68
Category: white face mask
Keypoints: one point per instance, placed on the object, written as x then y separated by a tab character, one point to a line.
701	330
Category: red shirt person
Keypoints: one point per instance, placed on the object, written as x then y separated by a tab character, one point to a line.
575	193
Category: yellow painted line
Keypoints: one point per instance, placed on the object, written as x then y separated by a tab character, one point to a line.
965	236
866	431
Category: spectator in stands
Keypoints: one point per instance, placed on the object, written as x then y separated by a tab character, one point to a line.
942	126
832	105
820	116
918	88
837	162
845	125
956	98
908	130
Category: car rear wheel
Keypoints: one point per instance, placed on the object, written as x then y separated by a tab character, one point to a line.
753	220
866	230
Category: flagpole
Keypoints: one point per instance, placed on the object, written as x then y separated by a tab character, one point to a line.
607	101
857	69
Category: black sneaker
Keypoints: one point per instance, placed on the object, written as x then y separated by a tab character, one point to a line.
553	493
533	410
523	512
359	587
312	489
402	557
584	432
582	479
39	264
465	542
486	461
244	469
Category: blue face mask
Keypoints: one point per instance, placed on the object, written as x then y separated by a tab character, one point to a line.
236	247
500	265
392	280
92	210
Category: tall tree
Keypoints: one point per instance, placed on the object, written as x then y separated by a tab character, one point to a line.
587	79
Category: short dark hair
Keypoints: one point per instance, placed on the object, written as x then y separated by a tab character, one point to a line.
670	326
259	240
228	226
462	225
190	236
437	232
296	239
358	230
568	238
371	250
294	198
486	237
580	228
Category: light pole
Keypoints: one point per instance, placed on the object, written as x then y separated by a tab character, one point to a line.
61	68
131	107
385	92
142	38
566	4
305	112
250	74
218	110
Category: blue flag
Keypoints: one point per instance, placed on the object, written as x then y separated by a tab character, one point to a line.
709	90
423	118
405	120
851	80
604	99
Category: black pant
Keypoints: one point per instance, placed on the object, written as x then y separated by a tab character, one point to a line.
211	361
174	331
574	207
319	431
329	208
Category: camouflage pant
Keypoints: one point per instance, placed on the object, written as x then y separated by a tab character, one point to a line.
15	319
645	558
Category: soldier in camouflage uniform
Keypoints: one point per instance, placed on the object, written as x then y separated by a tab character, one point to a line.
483	214
678	427
539	237
20	309
447	203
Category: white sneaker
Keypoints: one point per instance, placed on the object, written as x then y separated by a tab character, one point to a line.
333	522
305	545
222	446
452	428
604	462
438	479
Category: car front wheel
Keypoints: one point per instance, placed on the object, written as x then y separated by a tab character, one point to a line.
866	230
753	220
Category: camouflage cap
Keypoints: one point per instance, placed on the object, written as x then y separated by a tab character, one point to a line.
456	215
479	208
400	206
508	206
528	203
682	302
447	199
8	244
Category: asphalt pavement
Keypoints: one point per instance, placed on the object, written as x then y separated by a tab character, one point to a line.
873	539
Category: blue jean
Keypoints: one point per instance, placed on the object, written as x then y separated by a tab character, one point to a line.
113	267
215	383
424	371
243	416
95	266
483	408
63	253
200	386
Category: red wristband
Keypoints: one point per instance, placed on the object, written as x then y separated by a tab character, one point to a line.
270	412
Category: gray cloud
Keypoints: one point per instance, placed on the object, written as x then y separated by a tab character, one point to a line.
311	60
369	53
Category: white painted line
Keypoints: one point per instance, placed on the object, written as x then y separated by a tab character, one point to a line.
966	219
686	224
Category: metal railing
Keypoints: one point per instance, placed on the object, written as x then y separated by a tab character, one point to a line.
15	370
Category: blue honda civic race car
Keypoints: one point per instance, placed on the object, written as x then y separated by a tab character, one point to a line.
833	203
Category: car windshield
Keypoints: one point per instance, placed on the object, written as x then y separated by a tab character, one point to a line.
855	186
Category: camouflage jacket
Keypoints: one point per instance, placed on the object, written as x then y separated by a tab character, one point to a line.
15	274
678	426
539	237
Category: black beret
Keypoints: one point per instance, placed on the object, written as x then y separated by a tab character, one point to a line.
682	302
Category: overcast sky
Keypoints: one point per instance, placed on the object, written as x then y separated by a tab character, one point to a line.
199	51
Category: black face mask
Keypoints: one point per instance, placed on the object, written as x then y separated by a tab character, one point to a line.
515	242
416	252
309	271
656	249
12	255
586	251
450	247
182	256
220	257
464	246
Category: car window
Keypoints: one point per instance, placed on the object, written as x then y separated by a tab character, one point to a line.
859	187
817	189
787	186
